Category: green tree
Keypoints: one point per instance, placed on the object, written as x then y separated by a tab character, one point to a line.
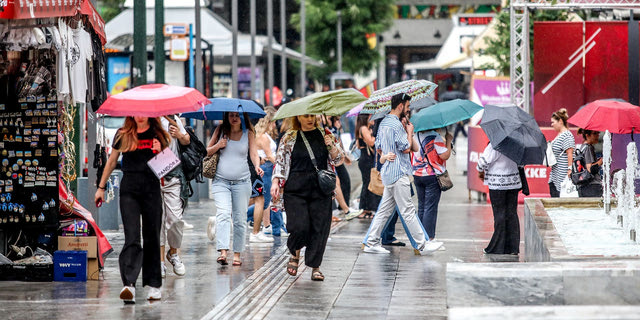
110	8
359	18
499	47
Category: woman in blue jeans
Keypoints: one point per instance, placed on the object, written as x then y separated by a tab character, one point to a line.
428	162
235	139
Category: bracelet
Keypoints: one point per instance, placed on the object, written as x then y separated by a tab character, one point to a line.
103	188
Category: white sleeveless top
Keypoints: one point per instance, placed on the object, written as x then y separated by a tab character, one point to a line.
233	164
272	146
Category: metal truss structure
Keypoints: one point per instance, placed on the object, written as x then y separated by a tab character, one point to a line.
519	15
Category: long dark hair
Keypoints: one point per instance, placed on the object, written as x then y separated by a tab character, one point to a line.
226	124
128	134
362	121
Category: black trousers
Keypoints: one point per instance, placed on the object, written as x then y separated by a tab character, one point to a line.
345	182
134	256
590	190
506	227
308	216
553	191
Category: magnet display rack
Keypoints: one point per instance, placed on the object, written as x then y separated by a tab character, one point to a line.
29	151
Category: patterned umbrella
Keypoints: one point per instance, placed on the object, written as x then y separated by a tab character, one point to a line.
380	101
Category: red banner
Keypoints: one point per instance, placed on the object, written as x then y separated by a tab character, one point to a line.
537	175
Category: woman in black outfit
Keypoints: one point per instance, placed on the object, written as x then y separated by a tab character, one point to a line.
138	140
295	178
369	201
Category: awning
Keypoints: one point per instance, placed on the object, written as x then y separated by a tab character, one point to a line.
32	9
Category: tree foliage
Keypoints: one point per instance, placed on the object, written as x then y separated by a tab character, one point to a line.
500	47
110	8
359	17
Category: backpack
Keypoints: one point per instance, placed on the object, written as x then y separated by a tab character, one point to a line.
192	156
579	173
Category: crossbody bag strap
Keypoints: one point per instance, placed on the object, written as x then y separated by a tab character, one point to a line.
306	143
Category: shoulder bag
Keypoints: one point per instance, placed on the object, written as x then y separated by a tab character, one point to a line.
326	178
375	183
444	180
210	163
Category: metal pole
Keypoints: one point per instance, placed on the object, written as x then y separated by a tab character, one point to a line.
303	47
139	43
252	13
382	76
283	42
339	13
192	75
234	50
270	50
198	57
158	52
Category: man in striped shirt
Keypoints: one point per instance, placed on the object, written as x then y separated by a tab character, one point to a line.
395	142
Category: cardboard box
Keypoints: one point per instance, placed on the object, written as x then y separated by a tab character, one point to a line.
93	269
88	244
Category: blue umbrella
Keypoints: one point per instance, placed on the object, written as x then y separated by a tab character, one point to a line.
218	106
443	114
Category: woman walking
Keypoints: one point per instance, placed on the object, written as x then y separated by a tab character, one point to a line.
429	162
231	187
593	188
138	140
500	174
562	147
295	178
365	140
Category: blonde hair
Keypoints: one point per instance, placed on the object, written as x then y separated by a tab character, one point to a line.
264	123
127	138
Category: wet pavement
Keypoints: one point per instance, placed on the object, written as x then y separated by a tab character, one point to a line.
399	285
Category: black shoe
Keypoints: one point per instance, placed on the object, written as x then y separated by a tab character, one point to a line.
396	244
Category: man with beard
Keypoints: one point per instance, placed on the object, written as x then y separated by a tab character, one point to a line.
395	142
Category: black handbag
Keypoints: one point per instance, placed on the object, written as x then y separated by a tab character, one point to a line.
326	178
192	157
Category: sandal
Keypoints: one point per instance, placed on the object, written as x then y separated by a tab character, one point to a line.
236	263
222	260
335	219
317	276
368	215
292	268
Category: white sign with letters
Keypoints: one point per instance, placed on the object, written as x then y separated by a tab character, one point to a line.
163	162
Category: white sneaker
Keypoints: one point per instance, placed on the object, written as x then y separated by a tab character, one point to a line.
353	213
375	249
128	294
211	228
259	238
163	269
430	247
153	293
176	262
267	230
187	226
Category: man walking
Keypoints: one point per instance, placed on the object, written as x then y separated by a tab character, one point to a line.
395	141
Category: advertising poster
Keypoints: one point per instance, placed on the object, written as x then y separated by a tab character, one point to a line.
118	74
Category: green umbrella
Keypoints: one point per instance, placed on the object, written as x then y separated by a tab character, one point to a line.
443	114
330	103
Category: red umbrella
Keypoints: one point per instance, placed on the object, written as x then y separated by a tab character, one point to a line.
616	116
153	100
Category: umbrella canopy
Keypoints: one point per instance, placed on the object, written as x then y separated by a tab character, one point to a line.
380	100
422	103
218	106
153	100
452	95
613	115
330	103
514	133
444	114
355	111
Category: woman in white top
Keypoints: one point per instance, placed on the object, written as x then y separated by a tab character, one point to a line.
231	186
501	175
562	146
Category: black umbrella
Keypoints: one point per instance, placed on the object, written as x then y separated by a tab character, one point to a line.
514	133
452	95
